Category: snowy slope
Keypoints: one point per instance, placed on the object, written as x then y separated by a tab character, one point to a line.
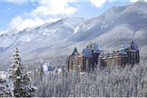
114	28
133	15
36	42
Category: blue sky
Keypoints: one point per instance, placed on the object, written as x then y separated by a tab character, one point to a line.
20	14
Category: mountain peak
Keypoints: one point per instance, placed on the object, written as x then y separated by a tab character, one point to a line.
141	0
116	26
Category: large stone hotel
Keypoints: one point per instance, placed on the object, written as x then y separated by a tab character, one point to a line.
91	58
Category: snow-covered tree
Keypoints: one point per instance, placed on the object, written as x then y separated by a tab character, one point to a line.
109	82
6	86
41	73
20	78
145	88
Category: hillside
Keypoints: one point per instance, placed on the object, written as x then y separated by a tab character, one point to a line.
112	29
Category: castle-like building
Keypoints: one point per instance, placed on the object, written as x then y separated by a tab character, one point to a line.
92	57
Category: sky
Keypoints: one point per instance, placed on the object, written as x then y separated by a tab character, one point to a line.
21	14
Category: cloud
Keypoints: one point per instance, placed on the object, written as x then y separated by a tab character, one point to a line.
17	1
54	7
21	23
97	3
47	11
133	0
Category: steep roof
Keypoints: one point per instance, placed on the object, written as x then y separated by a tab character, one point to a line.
132	46
123	52
87	53
75	51
94	47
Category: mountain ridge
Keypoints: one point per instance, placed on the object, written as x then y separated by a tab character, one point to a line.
114	28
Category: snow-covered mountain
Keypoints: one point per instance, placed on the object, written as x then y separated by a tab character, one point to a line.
115	21
114	28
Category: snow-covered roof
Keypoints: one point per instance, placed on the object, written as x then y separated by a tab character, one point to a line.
87	53
132	46
50	68
122	52
94	47
75	51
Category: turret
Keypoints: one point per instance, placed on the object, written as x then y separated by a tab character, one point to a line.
133	46
75	51
133	53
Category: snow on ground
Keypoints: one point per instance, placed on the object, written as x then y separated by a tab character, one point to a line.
3	75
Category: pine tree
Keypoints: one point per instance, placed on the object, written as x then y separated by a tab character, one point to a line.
5	86
145	88
20	78
41	73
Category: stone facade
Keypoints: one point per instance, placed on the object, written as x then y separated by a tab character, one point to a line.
91	57
126	56
86	61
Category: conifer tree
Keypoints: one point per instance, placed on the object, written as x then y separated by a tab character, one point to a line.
145	88
20	78
41	73
5	86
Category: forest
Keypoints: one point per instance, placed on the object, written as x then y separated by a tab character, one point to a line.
108	82
114	82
